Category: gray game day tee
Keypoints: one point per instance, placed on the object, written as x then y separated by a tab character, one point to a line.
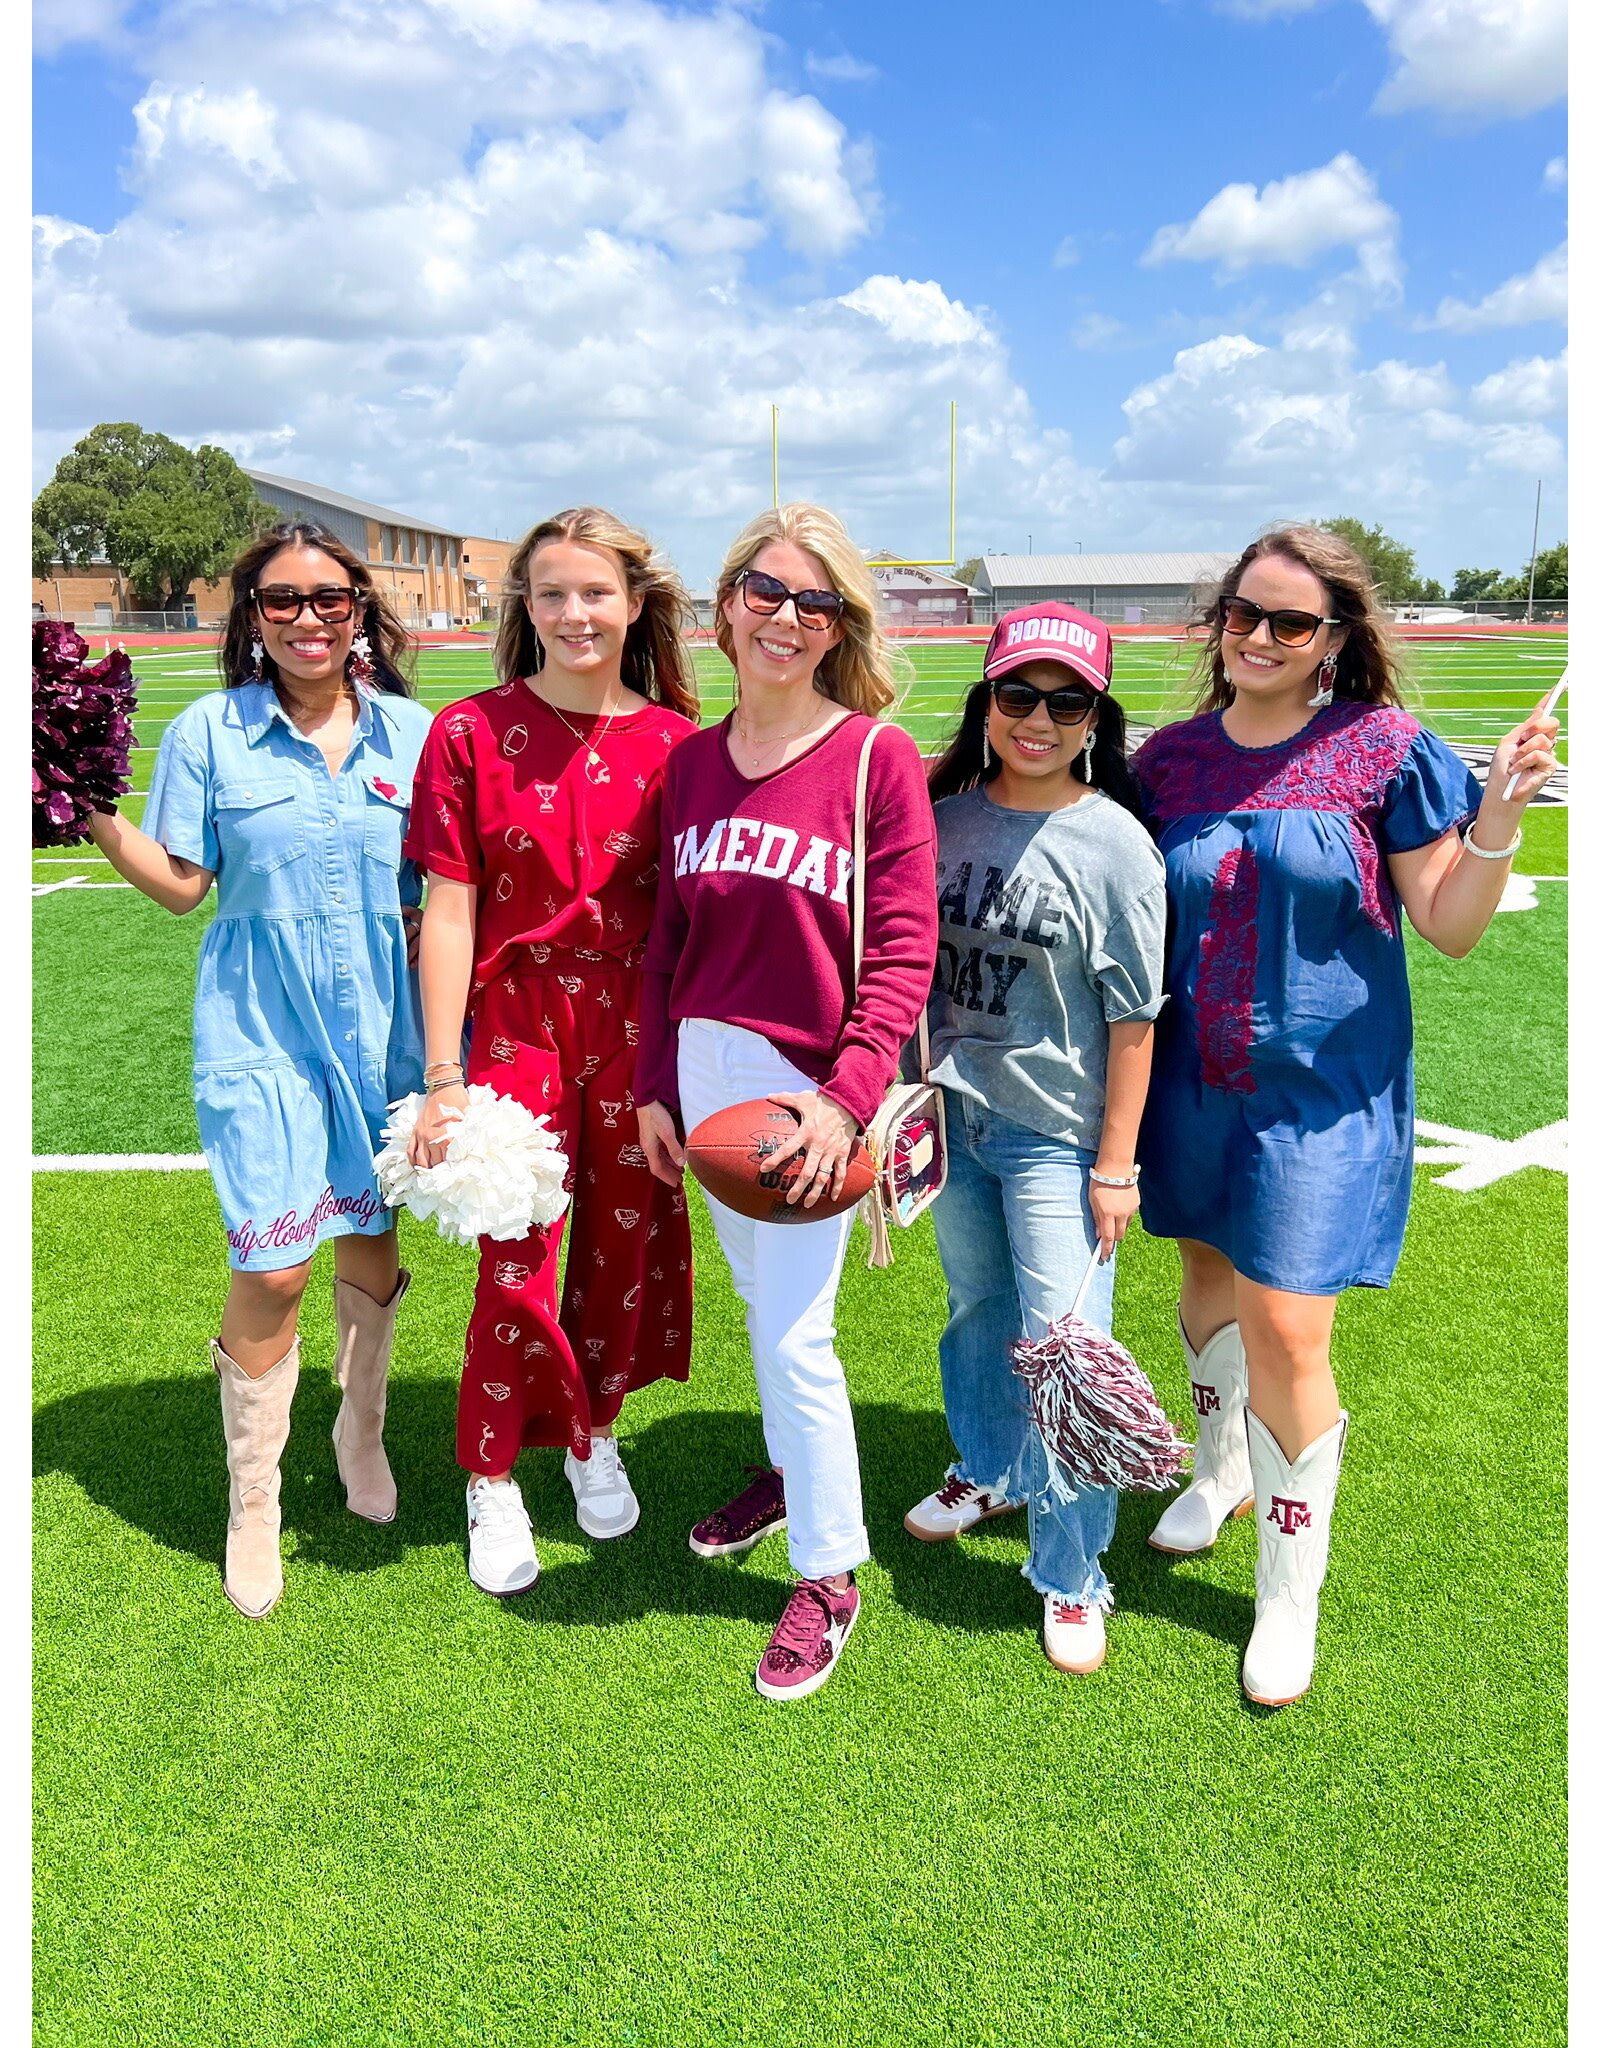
1051	927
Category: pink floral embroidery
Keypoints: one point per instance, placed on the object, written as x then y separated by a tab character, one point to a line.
1225	978
1345	765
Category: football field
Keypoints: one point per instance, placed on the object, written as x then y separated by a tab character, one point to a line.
399	1812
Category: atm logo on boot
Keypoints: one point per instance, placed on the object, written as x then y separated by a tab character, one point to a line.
1291	1516
1205	1399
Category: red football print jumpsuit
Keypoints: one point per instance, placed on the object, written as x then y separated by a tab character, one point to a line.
559	838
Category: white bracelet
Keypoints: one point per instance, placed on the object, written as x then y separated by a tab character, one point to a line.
1111	1180
1483	852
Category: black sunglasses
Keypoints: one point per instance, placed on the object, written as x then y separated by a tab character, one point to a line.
1066	707
333	604
1288	628
766	596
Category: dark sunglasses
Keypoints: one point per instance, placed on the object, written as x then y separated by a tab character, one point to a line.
765	596
1289	628
333	604
1066	707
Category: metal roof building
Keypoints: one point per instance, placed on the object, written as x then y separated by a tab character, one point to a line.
1121	588
417	563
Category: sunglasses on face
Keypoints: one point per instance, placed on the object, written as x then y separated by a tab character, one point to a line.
1288	628
1066	707
765	596
333	604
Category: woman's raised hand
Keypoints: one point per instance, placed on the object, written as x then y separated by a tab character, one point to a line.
433	1127
658	1136
1527	755
825	1136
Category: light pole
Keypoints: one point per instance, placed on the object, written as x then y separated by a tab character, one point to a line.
1533	558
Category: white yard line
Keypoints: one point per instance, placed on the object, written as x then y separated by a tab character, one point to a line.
119	1162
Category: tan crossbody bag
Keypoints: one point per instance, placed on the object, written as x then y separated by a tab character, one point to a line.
906	1139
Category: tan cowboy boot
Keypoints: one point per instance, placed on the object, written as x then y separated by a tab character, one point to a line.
255	1421
361	1369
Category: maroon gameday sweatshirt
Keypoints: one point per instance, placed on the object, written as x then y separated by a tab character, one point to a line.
752	922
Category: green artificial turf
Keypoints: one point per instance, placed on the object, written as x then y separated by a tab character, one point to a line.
398	1812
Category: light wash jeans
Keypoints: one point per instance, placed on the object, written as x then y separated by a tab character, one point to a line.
1015	1233
787	1275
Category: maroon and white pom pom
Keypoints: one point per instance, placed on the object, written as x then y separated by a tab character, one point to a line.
1096	1413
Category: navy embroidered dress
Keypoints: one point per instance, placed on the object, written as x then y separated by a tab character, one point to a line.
1279	1123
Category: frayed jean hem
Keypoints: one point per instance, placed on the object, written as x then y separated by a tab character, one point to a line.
1099	1594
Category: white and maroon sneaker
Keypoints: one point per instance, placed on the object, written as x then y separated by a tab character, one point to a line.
958	1506
1074	1636
807	1642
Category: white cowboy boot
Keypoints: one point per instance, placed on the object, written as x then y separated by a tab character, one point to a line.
1221	1484
255	1422
1291	1558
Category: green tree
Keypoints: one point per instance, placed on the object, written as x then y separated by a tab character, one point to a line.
44	551
1430	591
1472	584
1394	568
1549	573
967	571
162	514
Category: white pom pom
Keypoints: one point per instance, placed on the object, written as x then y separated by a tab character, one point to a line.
502	1175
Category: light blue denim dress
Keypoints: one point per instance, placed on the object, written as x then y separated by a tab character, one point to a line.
307	1022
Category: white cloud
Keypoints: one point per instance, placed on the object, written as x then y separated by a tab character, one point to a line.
476	258
1065	253
1410	387
1284	430
1096	331
1536	294
1473	56
840	69
1555	174
918	313
1532	389
58	23
1292	220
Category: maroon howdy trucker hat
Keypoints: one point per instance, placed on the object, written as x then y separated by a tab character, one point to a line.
1051	632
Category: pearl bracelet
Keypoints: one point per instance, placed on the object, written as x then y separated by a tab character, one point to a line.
1111	1180
1487	853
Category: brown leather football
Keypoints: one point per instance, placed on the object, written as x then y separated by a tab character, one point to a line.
727	1155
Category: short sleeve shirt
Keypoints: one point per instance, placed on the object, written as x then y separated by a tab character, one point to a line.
553	817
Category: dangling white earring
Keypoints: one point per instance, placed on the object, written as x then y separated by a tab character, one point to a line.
1088	759
361	669
987	757
258	655
1324	694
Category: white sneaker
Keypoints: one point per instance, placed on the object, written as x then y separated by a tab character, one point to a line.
1074	1637
501	1558
606	1503
958	1506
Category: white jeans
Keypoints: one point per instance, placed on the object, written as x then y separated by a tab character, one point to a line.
787	1275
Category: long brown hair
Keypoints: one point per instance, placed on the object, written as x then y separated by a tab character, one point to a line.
392	653
655	656
860	672
1368	667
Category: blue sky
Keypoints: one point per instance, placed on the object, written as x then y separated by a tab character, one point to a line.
1185	265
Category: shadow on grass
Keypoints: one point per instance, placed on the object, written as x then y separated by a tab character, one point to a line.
151	1452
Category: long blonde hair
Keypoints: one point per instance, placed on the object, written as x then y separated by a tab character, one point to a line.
655	656
1367	666
860	671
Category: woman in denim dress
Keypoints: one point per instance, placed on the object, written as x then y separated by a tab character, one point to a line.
289	788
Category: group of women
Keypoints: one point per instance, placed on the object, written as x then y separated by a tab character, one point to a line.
1174	981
